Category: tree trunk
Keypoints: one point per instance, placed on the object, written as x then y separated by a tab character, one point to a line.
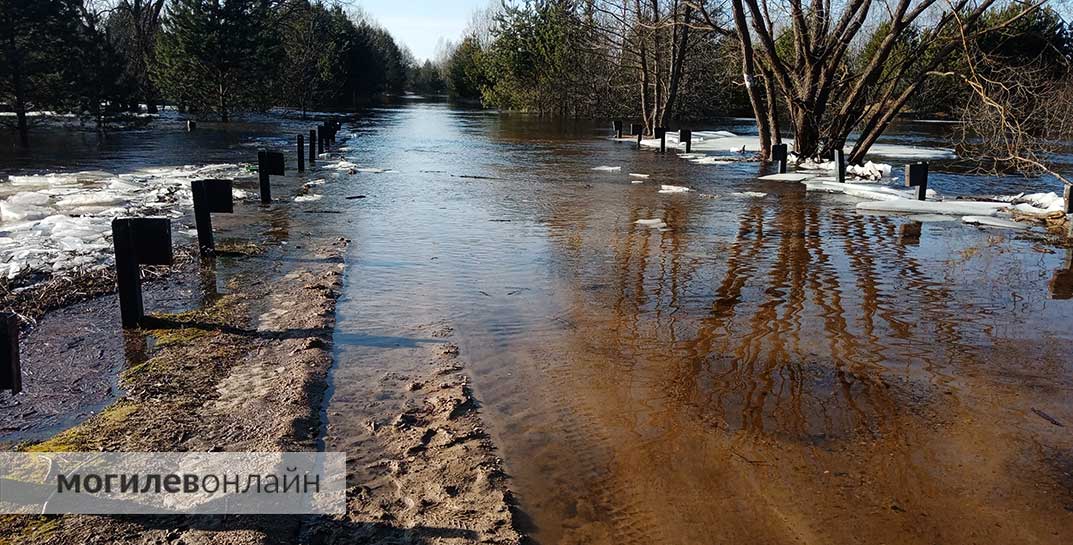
760	111
772	107
23	127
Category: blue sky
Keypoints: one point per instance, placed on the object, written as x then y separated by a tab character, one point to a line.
420	24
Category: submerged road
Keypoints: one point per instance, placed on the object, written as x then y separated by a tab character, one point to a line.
770	367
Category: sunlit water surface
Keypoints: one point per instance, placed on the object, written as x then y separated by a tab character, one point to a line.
769	369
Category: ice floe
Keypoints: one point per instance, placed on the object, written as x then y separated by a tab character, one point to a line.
637	175
654	223
788	177
751	194
605	168
58	222
956	208
673	189
988	221
728	142
308	198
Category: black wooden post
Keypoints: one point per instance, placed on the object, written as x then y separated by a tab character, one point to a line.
661	133
780	154
312	148
138	241
636	129
322	133
686	135
916	175
301	153
190	125
269	163
640	136
210	196
1069	199
840	165
10	368
617	126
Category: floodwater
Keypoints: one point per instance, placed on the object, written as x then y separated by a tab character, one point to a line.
777	369
767	370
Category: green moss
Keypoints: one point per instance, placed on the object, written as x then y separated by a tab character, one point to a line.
168	337
84	436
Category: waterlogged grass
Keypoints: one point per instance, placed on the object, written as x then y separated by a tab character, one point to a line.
187	345
87	435
238	248
189	326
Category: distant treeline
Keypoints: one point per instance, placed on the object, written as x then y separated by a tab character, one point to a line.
210	57
662	61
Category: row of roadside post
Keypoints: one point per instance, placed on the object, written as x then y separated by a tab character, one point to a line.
916	174
147	241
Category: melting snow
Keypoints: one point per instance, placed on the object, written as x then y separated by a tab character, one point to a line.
728	142
673	189
58	222
654	223
988	221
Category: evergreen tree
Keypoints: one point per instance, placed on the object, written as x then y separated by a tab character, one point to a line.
217	55
37	62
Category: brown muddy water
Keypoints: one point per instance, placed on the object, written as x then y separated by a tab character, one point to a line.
767	370
776	369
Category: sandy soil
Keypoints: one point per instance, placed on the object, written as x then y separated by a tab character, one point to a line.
424	468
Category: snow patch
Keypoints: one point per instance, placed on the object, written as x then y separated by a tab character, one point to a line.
673	189
654	223
988	221
60	222
605	168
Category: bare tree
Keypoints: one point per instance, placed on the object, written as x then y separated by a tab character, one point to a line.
825	96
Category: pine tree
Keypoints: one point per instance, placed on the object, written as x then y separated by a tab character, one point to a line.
217	55
36	56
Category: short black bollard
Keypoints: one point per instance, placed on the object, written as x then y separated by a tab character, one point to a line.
210	196
10	368
301	153
312	148
322	134
686	135
916	175
840	165
661	133
269	163
616	125
780	154
190	125
636	129
138	241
